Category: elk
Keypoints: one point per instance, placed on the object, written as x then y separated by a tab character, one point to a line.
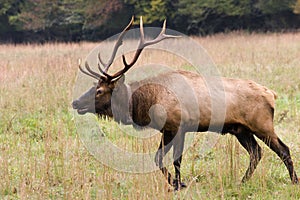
249	108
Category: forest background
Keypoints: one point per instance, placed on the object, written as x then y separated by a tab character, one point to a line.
76	20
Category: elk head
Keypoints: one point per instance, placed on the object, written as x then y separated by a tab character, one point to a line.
98	99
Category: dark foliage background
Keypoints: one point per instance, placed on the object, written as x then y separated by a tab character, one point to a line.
75	20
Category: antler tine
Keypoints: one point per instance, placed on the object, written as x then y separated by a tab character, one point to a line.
139	49
162	35
117	45
142	45
91	71
101	70
142	39
91	74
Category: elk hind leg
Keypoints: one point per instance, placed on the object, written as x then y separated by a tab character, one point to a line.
283	152
248	141
178	146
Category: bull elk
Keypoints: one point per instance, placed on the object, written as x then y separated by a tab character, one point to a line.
249	108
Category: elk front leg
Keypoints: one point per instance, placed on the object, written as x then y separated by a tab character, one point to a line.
164	147
178	145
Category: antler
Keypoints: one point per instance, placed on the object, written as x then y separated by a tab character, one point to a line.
95	75
142	45
90	72
117	45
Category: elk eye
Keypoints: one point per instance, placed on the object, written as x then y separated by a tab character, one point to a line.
99	91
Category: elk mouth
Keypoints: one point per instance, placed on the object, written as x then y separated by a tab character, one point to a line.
81	109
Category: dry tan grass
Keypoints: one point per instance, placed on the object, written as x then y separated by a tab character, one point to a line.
41	155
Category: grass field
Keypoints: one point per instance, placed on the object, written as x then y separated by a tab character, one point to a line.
42	157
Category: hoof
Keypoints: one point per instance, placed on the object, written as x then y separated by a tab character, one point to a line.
176	185
183	185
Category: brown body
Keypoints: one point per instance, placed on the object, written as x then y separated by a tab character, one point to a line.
177	102
246	102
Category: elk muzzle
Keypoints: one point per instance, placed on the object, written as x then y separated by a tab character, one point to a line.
86	102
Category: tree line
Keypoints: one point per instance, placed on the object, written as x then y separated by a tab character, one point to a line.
75	20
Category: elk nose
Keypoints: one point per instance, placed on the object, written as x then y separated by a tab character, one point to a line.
75	104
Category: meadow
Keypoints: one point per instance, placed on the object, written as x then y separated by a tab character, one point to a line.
42	156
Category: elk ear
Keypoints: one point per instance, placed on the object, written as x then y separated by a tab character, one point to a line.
119	81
